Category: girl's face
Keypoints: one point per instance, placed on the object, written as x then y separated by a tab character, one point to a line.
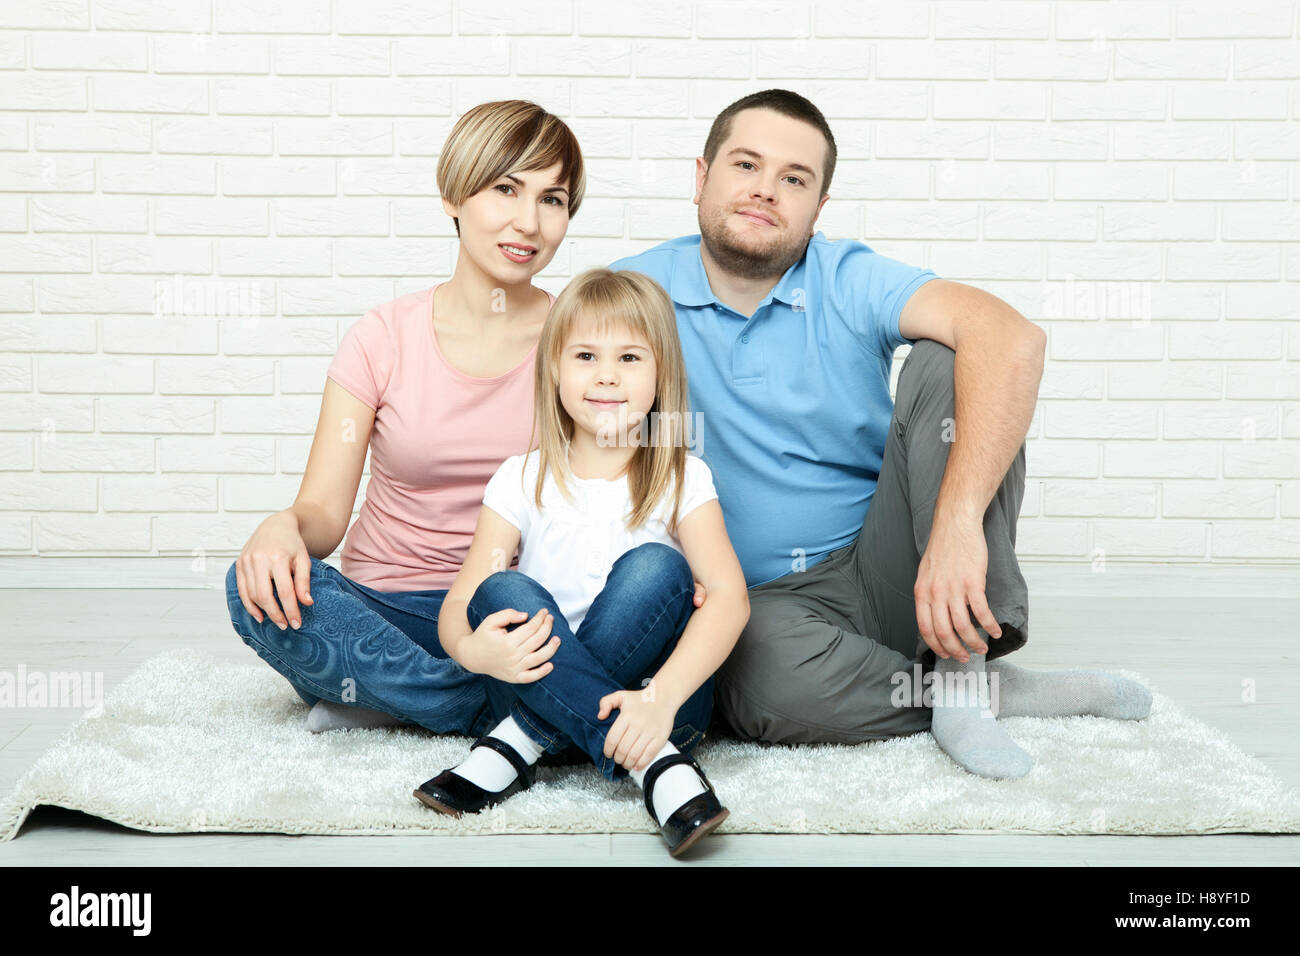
607	383
524	210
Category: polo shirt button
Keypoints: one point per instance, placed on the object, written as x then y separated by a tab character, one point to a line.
744	338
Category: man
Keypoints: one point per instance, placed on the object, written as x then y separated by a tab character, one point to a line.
874	536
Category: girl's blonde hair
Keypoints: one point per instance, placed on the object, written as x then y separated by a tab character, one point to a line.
504	136
638	303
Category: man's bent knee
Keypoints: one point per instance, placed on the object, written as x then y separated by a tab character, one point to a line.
931	352
928	365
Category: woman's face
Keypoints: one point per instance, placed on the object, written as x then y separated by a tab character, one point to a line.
524	209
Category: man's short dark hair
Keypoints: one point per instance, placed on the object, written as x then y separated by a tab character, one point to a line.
785	102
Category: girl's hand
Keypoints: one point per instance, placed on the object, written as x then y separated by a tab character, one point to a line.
699	594
641	730
520	656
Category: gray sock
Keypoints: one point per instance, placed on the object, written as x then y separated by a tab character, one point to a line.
1069	693
963	726
327	715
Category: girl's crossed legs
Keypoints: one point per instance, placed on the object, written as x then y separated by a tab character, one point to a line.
628	633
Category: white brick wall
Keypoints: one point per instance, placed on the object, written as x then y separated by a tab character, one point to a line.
1124	172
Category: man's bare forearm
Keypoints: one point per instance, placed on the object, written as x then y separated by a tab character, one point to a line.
995	381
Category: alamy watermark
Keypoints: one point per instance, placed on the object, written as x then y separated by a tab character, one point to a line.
1077	298
952	689
83	690
181	297
664	428
76	908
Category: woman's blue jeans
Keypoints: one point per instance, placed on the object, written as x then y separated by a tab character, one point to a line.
369	648
629	632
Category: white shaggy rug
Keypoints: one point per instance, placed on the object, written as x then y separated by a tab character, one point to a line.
188	744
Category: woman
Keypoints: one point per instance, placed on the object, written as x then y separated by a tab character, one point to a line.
439	385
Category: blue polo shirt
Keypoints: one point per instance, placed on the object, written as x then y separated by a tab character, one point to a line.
794	400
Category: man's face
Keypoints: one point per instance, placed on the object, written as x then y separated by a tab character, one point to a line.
760	198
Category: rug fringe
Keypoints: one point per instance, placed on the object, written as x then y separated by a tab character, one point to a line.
12	815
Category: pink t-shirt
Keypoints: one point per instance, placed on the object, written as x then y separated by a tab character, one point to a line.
439	435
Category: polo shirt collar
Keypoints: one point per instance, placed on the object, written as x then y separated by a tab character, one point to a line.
690	284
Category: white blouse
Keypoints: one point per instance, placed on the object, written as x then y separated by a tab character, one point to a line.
570	548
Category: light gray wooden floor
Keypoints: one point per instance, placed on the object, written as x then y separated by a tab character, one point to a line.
1196	634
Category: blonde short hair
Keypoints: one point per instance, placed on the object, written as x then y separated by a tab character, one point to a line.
505	136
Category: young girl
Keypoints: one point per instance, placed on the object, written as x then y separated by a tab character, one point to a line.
614	522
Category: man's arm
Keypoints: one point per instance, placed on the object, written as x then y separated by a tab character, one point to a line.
998	367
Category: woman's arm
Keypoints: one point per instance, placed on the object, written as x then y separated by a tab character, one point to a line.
276	560
714	628
328	491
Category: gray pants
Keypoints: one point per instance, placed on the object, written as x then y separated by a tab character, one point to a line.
817	661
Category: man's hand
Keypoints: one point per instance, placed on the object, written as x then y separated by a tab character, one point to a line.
641	730
951	575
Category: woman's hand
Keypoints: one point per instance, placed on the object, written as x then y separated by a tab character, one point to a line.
641	730
275	555
520	656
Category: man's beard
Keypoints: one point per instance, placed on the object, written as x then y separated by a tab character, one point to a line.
749	260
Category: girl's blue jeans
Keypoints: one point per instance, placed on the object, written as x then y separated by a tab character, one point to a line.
629	632
380	649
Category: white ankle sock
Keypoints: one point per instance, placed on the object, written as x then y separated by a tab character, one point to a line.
674	786
491	771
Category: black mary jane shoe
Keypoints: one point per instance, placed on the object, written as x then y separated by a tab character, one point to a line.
694	818
452	794
568	757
